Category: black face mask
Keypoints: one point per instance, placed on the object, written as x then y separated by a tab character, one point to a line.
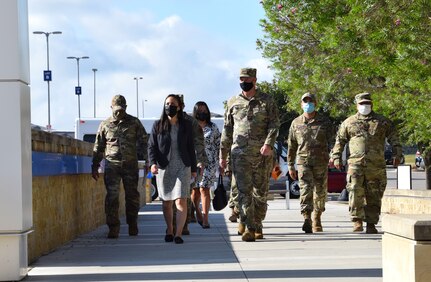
171	110
202	116
119	114
246	86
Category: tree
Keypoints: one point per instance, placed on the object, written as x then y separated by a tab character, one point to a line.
281	98
339	48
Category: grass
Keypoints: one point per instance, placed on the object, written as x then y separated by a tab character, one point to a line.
410	159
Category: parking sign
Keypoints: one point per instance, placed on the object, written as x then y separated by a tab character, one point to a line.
78	90
47	75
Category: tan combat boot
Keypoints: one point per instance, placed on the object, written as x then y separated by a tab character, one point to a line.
234	216
371	228
317	223
241	228
258	234
357	226
306	227
248	236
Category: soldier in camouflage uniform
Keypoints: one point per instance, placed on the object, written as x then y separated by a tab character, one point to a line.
233	196
121	140
250	129
311	136
365	132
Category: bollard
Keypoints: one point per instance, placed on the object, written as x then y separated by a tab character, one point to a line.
287	195
404	177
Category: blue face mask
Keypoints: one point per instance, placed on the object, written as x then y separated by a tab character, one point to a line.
308	107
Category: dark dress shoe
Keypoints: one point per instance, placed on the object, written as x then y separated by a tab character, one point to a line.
169	238
178	240
205	226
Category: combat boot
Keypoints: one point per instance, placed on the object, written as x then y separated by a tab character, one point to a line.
248	236
241	228
133	229
371	228
317	223
258	234
306	227
114	231
357	226
234	216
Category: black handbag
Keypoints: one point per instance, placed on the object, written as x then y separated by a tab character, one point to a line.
220	198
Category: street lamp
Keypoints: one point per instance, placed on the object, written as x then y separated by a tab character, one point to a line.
137	95
78	88
143	116
94	70
47	75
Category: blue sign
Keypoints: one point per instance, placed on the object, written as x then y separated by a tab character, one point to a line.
78	90
47	76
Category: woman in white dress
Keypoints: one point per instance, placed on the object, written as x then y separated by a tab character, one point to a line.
172	158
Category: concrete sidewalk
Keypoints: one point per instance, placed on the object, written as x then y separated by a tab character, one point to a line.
286	253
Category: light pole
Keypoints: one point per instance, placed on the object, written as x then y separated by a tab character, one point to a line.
78	88
94	70
137	95
47	76
143	116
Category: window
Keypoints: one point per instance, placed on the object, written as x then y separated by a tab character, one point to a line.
89	138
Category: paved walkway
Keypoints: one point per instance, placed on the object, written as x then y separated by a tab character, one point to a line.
218	254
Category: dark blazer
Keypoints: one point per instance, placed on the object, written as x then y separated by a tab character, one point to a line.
159	145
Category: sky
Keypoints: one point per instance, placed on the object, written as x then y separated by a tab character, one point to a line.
192	47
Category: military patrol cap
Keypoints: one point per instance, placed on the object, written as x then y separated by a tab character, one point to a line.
309	95
119	102
363	97
247	72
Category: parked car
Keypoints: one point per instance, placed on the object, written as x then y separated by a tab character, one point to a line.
336	183
279	186
388	155
336	178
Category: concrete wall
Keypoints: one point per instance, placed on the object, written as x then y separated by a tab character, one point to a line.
65	205
406	202
406	242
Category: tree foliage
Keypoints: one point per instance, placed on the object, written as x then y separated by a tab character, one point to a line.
339	48
286	116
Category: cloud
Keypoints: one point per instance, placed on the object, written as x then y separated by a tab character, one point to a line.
169	52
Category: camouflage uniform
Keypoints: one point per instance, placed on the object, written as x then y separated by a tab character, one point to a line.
233	197
366	176
249	124
121	142
309	143
201	158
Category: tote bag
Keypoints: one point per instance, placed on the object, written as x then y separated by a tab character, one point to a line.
220	198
